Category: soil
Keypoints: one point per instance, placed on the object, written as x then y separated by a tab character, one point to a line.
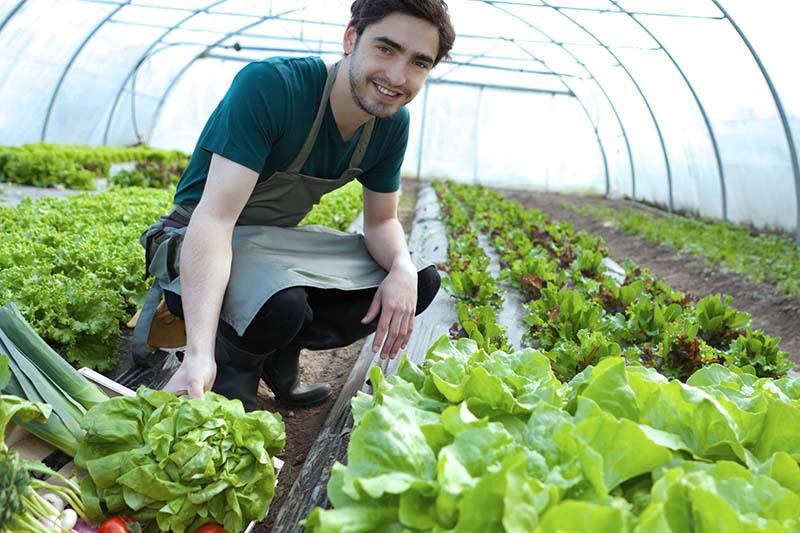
328	366
772	311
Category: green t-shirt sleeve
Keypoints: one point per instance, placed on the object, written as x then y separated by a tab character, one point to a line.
246	122
384	176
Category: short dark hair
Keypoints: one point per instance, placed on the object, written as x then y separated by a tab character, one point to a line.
366	12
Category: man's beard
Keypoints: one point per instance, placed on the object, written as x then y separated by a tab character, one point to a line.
375	108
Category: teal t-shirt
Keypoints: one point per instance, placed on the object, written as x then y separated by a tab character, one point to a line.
264	118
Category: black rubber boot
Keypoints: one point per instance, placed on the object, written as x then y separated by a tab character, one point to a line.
238	373
281	373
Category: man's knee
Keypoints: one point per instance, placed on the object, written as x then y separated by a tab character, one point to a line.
428	283
279	319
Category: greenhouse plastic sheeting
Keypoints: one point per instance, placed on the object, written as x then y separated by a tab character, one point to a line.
691	105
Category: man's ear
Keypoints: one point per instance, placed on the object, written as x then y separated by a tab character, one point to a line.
350	38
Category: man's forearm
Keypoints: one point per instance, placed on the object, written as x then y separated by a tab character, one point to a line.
205	271
386	242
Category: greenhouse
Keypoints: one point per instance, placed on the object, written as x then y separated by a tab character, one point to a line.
545	280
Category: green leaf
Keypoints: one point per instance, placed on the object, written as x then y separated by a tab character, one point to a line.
571	515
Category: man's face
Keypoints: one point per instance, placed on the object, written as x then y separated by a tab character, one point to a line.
390	61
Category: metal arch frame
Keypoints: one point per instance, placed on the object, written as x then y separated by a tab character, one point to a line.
429	81
585	109
192	14
143	57
134	122
639	90
781	111
698	101
11	14
204	53
71	61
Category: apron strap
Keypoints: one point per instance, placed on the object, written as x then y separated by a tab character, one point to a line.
311	138
363	142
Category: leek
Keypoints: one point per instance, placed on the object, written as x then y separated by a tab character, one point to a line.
20	333
40	375
52	431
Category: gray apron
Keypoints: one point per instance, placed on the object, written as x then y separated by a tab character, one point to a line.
270	253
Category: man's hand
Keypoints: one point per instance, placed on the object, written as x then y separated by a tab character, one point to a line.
195	376
396	300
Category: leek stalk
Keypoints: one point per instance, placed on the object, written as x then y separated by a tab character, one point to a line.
27	341
39	374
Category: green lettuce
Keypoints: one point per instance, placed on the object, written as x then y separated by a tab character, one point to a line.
181	463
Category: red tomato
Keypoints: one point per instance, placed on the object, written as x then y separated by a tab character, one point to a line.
120	524
210	528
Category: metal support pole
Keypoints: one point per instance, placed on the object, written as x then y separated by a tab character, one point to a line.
11	15
781	111
701	107
476	135
599	86
641	93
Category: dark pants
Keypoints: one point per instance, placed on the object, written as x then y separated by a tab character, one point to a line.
312	318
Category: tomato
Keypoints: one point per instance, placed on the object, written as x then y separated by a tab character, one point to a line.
210	528
120	524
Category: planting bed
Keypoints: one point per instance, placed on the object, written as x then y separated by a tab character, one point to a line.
418	458
774	312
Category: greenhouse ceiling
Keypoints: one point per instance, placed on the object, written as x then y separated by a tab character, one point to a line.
704	84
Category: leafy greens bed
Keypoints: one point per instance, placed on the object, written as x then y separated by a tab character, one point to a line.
74	267
471	441
76	167
577	314
759	257
583	432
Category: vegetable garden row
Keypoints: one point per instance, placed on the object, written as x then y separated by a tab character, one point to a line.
74	268
630	407
637	408
758	257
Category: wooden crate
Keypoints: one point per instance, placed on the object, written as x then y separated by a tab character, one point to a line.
30	447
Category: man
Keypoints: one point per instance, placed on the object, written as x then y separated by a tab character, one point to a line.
253	288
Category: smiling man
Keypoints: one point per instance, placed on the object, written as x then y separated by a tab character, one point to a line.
253	288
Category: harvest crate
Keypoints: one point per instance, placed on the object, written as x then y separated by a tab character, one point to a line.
30	447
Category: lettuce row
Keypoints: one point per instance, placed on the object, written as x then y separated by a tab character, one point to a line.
578	314
759	257
476	442
469	280
76	167
75	268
